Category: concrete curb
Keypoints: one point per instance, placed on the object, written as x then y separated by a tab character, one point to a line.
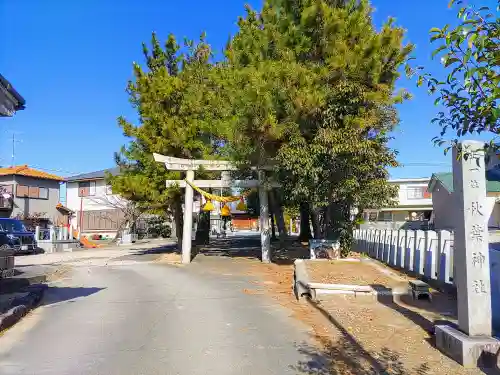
20	306
301	281
14	284
356	291
304	288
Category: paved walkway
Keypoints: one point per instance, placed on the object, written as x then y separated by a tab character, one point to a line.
127	315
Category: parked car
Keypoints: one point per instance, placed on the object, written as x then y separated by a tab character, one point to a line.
15	237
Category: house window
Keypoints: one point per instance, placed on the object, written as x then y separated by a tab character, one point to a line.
109	190
92	188
22	191
385	216
6	189
415	192
34	192
43	193
86	188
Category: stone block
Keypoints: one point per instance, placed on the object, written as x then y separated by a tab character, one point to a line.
466	350
324	249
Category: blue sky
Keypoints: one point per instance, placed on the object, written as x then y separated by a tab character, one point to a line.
71	61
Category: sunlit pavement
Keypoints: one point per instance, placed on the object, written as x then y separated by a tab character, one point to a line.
141	317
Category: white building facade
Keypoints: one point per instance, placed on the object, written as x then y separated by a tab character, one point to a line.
96	209
412	208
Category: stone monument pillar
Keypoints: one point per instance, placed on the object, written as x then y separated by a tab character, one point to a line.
471	261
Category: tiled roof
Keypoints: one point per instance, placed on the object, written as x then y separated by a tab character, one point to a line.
24	170
98	175
446	180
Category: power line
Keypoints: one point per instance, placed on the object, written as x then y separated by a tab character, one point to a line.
426	164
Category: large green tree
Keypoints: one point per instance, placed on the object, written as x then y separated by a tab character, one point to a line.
319	104
173	97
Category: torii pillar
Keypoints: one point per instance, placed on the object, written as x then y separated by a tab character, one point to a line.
189	166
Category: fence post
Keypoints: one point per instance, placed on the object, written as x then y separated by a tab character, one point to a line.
371	242
394	248
430	257
420	245
52	234
387	245
380	253
445	257
37	233
400	253
362	240
411	239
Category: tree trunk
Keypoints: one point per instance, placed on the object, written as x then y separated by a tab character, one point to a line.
178	223
278	213
119	231
316	222
273	227
305	229
203	228
329	222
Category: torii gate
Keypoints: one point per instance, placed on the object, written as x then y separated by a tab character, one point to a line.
189	166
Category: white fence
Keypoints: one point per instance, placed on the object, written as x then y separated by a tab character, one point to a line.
426	253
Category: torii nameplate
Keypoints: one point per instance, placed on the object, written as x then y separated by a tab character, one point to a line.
178	164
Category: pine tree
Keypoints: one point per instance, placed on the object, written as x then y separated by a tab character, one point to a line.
319	103
173	101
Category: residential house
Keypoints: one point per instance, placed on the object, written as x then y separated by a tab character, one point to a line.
31	195
441	187
412	209
96	209
10	100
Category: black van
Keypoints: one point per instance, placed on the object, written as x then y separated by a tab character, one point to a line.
14	236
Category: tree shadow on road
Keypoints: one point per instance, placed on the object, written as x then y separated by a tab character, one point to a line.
55	294
282	253
233	247
347	356
163	249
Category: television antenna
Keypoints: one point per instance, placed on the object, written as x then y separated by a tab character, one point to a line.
14	140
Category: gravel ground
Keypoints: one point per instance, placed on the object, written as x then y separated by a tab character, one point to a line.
351	273
384	332
363	336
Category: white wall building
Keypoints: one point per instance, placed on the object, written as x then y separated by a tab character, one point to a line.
412	208
97	209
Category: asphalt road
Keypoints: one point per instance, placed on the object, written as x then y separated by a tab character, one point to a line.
134	317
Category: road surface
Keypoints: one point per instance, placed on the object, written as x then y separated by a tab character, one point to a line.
130	316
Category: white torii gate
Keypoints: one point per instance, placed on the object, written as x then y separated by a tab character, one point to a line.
190	165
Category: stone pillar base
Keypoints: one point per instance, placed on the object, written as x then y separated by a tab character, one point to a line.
466	350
